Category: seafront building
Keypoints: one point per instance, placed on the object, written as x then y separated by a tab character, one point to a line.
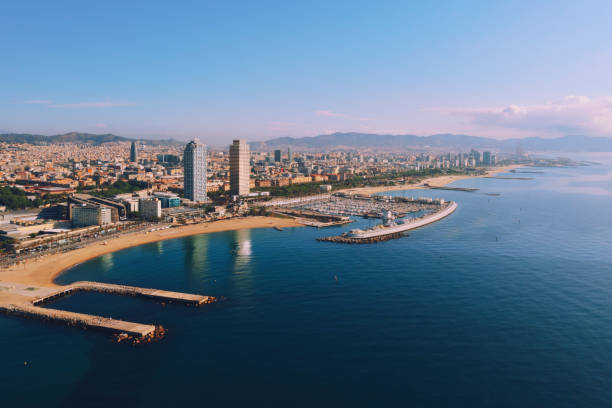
194	169
240	168
88	215
150	208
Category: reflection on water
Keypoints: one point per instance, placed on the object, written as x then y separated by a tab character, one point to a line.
242	252
159	245
241	248
107	262
196	248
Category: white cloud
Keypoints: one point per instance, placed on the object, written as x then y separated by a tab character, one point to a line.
95	104
328	113
570	115
38	102
100	125
331	114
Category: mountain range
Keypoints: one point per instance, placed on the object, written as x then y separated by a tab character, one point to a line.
75	137
575	143
347	141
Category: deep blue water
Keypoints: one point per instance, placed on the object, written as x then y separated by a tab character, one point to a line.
506	303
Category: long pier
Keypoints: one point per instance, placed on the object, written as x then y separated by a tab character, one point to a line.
508	178
78	319
156	294
465	189
25	301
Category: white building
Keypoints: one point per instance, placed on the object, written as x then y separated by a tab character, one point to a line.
240	167
88	215
150	208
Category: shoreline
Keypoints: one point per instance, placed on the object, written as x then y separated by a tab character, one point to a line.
44	270
438	181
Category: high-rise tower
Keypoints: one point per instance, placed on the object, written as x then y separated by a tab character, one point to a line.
240	167
133	153
194	169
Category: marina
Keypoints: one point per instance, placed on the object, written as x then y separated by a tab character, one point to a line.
370	206
391	229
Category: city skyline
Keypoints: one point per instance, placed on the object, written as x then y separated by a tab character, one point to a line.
497	70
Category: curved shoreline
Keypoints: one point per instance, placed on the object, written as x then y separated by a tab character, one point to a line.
44	270
438	181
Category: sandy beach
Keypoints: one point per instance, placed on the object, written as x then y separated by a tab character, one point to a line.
439	181
42	271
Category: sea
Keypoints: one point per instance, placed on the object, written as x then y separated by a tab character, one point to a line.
505	303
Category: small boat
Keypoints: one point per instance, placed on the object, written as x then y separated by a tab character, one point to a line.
278	228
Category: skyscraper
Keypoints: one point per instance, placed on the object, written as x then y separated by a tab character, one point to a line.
289	157
133	153
240	167
486	158
194	169
277	156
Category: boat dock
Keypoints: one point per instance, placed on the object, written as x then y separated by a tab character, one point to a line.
312	218
369	207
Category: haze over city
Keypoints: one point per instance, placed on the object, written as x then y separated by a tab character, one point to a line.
268	69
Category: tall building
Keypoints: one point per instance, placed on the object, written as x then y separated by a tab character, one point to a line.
194	169
240	167
289	157
277	156
486	158
133	153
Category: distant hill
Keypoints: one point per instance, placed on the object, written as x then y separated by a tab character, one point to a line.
75	137
439	141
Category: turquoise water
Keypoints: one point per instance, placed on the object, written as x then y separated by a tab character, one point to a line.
506	303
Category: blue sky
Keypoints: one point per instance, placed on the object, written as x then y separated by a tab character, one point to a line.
257	70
